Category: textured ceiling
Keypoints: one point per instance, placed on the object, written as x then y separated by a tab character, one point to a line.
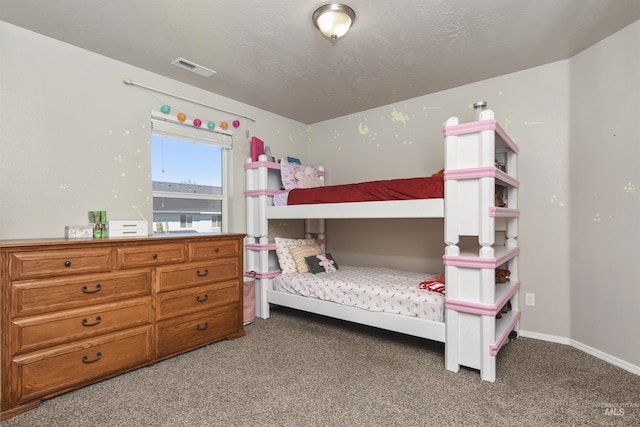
268	53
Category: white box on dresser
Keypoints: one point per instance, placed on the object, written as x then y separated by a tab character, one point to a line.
128	228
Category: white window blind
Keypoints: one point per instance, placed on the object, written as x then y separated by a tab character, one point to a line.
171	126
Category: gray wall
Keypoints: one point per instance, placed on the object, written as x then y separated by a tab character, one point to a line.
75	138
533	106
605	195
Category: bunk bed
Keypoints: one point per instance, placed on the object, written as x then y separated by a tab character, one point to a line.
479	158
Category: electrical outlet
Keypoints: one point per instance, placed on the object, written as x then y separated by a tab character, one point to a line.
530	299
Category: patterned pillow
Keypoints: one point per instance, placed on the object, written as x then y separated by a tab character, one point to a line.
287	264
288	174
321	263
300	252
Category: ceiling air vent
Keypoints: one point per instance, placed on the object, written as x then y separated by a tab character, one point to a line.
193	67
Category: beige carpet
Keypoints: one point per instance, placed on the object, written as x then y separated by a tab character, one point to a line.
297	369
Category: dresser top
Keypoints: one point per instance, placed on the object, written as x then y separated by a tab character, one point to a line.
90	242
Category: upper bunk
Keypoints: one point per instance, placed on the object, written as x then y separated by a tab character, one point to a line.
470	153
266	182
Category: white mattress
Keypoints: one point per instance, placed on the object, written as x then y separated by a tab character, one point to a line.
369	288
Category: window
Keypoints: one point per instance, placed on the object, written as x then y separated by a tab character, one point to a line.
188	175
186	221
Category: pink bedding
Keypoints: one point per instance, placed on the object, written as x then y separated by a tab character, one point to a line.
396	189
369	288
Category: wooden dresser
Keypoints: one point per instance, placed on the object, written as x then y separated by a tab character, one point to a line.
75	312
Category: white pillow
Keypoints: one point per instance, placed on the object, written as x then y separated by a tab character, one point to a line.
288	174
287	264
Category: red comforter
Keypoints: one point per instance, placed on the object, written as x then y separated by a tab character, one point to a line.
395	189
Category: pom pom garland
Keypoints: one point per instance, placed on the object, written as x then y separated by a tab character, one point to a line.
211	125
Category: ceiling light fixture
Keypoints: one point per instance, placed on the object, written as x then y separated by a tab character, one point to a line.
333	20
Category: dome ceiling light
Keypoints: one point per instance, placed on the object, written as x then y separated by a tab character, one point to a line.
333	20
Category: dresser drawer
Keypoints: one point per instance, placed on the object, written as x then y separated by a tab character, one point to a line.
37	332
50	372
177	303
42	296
25	265
187	332
193	274
151	255
201	251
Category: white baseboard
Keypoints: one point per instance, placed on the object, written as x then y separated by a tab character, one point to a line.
545	337
582	347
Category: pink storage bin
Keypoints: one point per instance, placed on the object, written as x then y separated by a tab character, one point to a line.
249	299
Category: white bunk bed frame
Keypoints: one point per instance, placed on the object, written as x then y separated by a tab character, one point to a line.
471	333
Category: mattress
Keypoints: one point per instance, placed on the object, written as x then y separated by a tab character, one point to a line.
369	288
394	189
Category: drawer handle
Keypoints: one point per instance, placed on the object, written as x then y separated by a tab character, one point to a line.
86	290
206	273
206	297
85	359
85	322
155	256
67	264
202	328
216	250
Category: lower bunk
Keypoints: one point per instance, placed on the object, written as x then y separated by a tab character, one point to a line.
400	306
378	297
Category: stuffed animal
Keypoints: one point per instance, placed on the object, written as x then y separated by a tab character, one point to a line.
500	201
502	275
326	263
308	178
505	309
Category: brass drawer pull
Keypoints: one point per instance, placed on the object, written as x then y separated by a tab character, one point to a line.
202	328
85	359
206	297
85	322
206	273
85	289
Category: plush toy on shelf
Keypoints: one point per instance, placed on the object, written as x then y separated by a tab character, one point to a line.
502	275
505	309
500	198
